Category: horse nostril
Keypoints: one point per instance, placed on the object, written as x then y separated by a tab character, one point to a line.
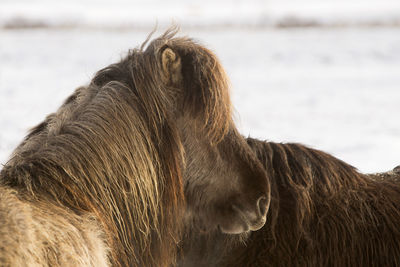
262	204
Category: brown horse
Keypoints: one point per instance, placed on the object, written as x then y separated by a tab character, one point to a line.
111	177
323	213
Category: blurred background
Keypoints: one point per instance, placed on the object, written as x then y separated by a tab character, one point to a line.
325	73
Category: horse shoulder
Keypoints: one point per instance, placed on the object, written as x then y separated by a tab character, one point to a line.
35	233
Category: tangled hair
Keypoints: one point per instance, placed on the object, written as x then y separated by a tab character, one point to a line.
323	212
112	152
205	95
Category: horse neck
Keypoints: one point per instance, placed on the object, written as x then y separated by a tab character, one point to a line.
302	178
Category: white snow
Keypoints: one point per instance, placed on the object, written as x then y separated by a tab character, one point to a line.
144	13
335	89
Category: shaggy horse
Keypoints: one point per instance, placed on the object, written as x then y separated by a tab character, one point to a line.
111	177
323	213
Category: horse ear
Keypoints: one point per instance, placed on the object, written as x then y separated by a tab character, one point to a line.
171	66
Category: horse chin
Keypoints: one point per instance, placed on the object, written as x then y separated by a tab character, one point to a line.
234	229
242	222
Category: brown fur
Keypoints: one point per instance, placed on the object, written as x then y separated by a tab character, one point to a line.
323	213
102	180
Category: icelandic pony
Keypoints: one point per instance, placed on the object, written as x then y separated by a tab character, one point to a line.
147	146
323	212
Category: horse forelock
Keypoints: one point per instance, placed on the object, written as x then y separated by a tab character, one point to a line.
204	91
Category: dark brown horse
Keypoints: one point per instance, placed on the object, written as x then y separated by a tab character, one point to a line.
111	177
323	213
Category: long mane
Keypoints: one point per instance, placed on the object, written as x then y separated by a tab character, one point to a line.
326	211
113	149
300	175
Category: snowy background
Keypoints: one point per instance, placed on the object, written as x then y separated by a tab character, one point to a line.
325	73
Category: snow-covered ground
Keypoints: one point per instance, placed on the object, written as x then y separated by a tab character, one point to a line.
144	13
333	89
